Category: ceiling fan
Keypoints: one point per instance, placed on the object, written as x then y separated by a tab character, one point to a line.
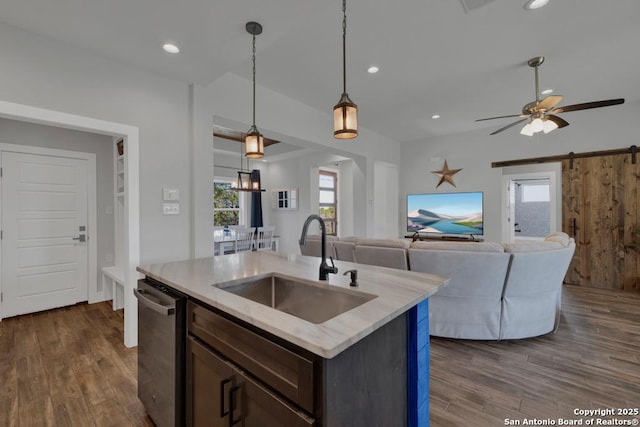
541	114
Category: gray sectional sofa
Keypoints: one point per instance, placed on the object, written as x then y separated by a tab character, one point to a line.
496	291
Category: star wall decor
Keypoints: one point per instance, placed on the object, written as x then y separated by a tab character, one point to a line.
446	174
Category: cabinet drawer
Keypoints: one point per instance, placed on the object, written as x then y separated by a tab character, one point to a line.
259	407
288	373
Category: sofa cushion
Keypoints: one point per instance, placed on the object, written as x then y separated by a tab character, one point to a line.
319	236
559	237
385	243
381	256
458	246
537	246
352	239
343	250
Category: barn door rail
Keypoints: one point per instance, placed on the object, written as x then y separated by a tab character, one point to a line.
633	150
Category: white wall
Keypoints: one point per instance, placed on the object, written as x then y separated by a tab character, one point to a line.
285	119
174	119
346	190
302	173
22	133
592	130
201	174
42	73
386	200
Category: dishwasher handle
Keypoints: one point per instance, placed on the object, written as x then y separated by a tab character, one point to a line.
147	300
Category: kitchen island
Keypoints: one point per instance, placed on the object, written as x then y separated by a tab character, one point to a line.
366	365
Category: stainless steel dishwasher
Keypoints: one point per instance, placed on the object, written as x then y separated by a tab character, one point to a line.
161	352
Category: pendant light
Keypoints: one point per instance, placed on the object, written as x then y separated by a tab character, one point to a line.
345	113
248	180
254	140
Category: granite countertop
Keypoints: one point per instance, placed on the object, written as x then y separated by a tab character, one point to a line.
396	290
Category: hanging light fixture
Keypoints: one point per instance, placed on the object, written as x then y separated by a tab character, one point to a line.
539	124
539	121
248	180
345	113
254	140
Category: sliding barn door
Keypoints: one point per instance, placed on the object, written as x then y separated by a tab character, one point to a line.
600	210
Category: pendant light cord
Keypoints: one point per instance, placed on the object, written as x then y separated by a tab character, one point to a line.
254	80
344	46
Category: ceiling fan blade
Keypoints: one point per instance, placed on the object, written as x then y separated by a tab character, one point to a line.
549	102
557	120
501	117
509	125
587	105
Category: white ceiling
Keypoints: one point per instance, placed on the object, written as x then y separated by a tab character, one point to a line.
434	57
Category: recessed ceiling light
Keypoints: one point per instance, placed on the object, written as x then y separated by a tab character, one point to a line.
170	48
435	116
546	91
535	4
373	69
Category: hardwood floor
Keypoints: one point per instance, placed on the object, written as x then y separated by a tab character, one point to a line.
593	361
68	367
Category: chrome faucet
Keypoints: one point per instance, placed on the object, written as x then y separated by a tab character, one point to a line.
324	267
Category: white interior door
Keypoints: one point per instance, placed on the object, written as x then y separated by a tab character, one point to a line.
44	220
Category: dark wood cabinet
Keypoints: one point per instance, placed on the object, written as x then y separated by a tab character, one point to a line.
239	375
289	373
220	394
209	383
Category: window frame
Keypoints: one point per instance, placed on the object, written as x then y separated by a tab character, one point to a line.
321	205
241	201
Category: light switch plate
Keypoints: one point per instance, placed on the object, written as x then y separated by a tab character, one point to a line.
170	194
170	208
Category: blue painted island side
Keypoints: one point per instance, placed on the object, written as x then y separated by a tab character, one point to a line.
418	365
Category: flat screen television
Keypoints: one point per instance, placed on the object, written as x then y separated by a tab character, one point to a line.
445	213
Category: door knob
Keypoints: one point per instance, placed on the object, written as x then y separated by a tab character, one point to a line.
80	238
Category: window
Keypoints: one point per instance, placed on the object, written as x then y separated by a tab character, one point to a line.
226	203
328	186
535	193
285	199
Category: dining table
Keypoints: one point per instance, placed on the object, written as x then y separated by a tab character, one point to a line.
224	242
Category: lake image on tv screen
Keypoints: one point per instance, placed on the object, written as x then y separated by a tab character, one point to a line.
450	213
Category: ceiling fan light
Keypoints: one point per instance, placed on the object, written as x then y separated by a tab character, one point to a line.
537	125
549	125
526	130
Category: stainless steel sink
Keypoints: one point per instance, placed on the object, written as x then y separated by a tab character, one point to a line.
310	301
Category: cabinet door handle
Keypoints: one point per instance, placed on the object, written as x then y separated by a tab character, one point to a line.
223	393
232	405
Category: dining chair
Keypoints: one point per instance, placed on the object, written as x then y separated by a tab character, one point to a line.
264	238
244	239
220	247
